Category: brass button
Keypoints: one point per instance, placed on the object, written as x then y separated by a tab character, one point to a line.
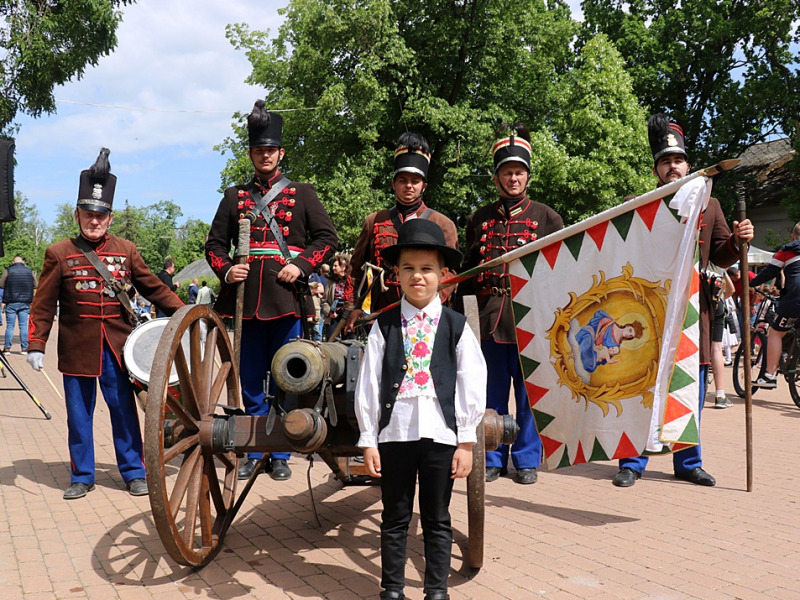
396	385
388	406
404	367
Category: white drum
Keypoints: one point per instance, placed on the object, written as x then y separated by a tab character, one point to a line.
140	350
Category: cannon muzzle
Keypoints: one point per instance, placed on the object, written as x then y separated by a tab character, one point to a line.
301	366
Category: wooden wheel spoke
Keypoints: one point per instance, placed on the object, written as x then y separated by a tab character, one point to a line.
177	408
180	448
209	481
182	481
219	381
214	487
193	500
188	391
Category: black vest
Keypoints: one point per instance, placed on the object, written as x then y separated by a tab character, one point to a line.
443	362
19	284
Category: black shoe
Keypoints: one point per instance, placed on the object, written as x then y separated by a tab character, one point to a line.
766	382
247	468
492	473
698	477
526	476
437	596
387	595
77	490
626	477
280	470
137	487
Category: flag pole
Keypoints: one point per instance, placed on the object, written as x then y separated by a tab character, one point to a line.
744	279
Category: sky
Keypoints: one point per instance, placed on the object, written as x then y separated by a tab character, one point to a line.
177	81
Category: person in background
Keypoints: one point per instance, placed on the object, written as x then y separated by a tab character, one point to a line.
18	283
191	293
166	278
206	295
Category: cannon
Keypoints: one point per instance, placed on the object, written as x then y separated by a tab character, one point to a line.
194	439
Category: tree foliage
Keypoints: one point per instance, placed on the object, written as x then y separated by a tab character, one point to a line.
45	43
356	75
27	236
724	69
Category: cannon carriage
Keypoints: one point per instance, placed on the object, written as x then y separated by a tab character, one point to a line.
194	438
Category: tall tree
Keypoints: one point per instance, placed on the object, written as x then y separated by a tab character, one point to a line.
64	225
45	43
724	69
355	76
28	236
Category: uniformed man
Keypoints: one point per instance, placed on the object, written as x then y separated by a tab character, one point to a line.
411	161
717	245
93	325
300	238
507	223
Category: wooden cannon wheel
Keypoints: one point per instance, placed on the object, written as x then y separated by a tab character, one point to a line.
192	488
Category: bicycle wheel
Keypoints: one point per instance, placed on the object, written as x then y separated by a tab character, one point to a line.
791	374
758	361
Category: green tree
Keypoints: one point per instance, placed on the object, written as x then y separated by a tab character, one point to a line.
724	69
357	75
189	243
45	43
28	236
64	225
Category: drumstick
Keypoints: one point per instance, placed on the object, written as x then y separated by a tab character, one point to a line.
52	385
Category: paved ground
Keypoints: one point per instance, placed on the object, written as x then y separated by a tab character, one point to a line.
572	535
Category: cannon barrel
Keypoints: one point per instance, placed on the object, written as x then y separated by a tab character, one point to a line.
301	366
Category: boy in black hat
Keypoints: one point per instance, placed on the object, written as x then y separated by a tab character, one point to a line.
717	245
290	236
419	399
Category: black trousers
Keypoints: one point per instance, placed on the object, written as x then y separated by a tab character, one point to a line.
401	463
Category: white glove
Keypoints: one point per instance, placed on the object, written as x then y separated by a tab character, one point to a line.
36	360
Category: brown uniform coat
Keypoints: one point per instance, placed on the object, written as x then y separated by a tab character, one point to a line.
491	232
378	233
87	314
307	229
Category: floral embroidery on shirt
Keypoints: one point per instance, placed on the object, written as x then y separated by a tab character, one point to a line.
420	332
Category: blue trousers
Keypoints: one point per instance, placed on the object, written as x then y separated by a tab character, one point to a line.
683	461
81	396
260	341
503	368
17	311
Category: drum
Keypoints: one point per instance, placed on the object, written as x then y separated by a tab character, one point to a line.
139	351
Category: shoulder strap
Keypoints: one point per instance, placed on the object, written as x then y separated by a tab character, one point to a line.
262	207
394	215
101	268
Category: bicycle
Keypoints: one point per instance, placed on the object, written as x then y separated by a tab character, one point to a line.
758	352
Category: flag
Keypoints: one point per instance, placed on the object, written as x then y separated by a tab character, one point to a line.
607	318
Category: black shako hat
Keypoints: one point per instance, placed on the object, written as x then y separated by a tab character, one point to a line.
264	128
413	155
424	235
665	136
97	185
515	147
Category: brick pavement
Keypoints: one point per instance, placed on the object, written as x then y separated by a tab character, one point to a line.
572	535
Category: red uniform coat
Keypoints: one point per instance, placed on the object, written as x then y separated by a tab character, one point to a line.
308	232
491	232
378	233
87	312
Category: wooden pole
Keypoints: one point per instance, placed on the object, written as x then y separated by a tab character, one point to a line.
242	252
744	278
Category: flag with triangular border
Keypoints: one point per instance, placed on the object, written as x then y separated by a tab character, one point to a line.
608	330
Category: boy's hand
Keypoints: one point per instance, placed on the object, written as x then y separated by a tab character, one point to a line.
372	462
462	461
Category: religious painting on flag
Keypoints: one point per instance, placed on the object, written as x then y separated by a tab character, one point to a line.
608	329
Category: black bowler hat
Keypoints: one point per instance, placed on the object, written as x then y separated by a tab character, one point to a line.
424	235
97	185
513	148
413	155
264	128
665	136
